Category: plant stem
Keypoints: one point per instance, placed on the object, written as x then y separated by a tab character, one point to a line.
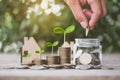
64	37
52	50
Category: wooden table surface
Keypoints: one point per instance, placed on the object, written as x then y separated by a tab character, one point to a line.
109	60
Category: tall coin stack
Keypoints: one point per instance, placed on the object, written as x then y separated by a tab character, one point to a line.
65	55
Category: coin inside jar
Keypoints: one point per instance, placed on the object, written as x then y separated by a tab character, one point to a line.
85	58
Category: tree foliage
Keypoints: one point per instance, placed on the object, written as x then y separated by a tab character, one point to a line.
19	18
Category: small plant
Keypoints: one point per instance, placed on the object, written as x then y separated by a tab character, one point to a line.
26	54
59	30
40	51
50	44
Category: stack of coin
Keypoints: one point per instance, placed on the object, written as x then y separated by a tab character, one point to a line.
65	55
53	60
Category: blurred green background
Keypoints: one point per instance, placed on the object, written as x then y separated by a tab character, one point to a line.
37	18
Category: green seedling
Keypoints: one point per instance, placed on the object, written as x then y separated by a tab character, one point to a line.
26	55
52	45
59	30
40	51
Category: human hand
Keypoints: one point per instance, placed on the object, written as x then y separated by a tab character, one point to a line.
98	10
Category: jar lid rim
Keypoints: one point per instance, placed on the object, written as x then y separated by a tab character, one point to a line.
87	39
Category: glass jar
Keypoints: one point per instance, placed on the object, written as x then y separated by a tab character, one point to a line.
87	52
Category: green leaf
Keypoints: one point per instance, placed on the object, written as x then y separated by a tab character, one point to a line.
49	44
26	55
29	55
40	52
55	43
37	51
58	30
70	29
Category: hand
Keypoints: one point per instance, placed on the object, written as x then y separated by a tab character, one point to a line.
98	10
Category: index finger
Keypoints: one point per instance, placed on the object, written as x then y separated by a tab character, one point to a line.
77	11
96	12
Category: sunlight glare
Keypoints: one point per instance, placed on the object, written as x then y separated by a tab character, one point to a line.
44	4
43	8
33	0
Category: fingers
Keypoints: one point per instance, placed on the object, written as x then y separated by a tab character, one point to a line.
96	12
98	9
87	12
83	2
77	11
103	7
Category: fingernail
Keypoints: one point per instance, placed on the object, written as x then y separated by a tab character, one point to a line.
83	24
91	27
